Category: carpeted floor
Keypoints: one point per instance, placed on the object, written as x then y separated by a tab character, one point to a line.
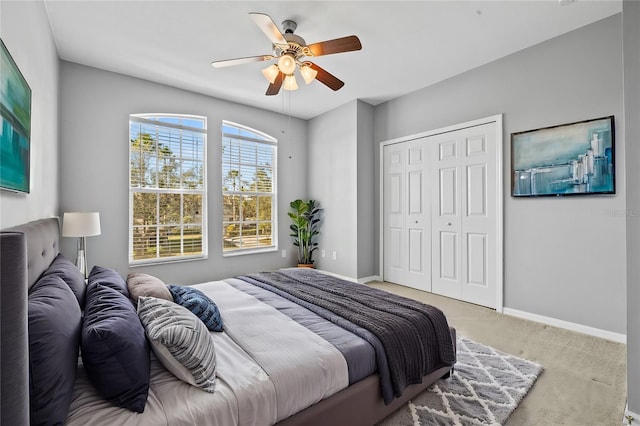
584	377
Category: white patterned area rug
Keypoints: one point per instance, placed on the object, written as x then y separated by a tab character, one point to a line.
487	385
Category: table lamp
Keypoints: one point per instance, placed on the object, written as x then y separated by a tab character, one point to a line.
81	225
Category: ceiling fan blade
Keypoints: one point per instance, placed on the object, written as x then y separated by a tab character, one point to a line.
338	45
269	28
274	87
239	61
326	78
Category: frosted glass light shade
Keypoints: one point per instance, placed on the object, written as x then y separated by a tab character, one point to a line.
308	73
270	73
287	64
80	224
290	83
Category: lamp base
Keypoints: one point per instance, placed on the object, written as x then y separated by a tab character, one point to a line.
81	260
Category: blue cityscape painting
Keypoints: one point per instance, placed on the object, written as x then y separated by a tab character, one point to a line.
15	125
570	159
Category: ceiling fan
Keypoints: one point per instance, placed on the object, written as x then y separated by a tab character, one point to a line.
291	51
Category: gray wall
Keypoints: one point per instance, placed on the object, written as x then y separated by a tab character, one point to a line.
340	170
332	159
95	107
24	28
631	42
367	254
564	257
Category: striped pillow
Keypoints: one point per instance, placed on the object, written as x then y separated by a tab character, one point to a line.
198	303
180	340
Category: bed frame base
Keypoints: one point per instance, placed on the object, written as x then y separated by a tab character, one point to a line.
360	404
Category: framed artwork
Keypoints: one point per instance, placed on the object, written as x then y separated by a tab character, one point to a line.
15	121
569	159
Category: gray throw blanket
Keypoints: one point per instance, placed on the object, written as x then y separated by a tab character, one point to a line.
415	337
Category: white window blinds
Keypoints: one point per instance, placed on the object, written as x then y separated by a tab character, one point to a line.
167	188
248	190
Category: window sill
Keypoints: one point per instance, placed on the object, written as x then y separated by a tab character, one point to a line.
241	252
150	262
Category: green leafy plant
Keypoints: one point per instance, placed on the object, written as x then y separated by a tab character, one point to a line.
305	217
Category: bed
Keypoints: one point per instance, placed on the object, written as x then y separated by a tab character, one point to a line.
284	356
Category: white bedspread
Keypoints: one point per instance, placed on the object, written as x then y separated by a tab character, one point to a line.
269	367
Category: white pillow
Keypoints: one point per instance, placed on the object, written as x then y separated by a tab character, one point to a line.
180	340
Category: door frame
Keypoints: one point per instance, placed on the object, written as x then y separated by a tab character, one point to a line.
499	194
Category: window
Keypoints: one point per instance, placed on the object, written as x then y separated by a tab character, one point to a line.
167	191
248	190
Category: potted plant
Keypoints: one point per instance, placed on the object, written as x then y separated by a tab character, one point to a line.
304	228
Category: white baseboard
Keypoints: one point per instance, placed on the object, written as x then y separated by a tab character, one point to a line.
367	279
343	277
603	334
355	280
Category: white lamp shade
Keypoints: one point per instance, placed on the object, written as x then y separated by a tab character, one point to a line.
270	73
80	224
290	83
308	73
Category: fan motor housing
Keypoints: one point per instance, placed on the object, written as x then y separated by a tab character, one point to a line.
296	46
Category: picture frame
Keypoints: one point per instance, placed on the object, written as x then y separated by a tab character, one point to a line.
15	126
568	159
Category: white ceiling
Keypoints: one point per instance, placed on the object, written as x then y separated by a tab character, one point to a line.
407	45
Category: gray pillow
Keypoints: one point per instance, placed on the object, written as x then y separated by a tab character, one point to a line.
54	337
147	285
70	274
109	278
180	340
115	351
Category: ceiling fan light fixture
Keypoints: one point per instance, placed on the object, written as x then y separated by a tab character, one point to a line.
289	51
290	83
308	73
287	64
270	73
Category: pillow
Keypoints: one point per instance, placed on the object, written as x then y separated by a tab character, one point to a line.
54	335
70	274
180	341
109	278
115	351
198	303
147	285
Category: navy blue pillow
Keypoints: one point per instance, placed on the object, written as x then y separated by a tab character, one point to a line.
109	278
70	274
199	304
115	351
54	335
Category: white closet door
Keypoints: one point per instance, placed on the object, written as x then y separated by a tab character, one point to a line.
464	224
407	223
395	269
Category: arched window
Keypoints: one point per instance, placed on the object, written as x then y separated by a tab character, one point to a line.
167	188
248	190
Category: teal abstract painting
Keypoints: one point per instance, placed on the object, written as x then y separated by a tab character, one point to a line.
15	129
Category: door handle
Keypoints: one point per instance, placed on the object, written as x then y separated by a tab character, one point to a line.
449	224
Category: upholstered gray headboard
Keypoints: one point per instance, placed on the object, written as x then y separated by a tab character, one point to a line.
25	252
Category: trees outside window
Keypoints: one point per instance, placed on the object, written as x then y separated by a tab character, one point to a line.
248	190
167	187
